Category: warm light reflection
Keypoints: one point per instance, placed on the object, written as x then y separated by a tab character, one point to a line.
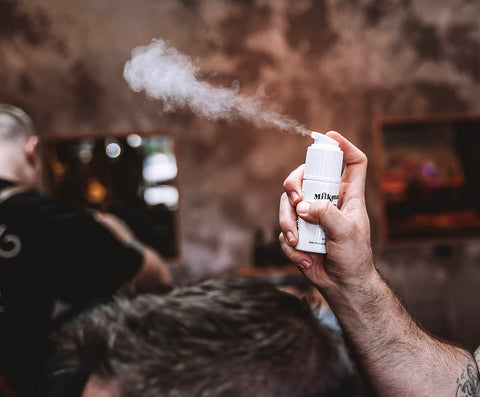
96	192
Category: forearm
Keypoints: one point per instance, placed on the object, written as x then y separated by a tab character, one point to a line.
399	357
154	274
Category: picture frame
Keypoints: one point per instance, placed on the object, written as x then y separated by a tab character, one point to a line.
427	171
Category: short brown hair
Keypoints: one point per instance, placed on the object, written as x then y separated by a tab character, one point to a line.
233	337
22	124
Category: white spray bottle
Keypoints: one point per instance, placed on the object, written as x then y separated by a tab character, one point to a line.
321	181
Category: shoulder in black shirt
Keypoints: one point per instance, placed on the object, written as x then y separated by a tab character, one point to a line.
49	250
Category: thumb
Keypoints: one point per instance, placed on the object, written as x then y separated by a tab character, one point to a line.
325	214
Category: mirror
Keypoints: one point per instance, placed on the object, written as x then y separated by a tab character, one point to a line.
133	177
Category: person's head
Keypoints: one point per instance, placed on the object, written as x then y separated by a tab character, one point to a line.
19	153
235	338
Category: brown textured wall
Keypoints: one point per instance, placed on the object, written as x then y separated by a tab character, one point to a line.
331	64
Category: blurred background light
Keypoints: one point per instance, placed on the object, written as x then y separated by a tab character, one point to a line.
134	140
167	195
113	150
160	167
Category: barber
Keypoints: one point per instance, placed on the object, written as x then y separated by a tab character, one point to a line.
51	251
400	358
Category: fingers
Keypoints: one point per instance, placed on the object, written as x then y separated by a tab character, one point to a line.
293	185
288	220
354	175
329	217
300	258
355	163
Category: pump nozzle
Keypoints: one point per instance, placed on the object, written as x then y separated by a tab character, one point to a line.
321	139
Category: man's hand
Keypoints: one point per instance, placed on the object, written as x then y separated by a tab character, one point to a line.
398	356
349	259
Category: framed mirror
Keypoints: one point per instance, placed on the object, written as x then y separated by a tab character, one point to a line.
131	176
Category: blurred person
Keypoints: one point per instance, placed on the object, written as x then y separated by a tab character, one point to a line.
399	357
233	337
50	251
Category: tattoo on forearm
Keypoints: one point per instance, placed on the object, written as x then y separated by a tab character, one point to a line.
468	383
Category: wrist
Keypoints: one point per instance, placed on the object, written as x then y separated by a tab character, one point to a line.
354	290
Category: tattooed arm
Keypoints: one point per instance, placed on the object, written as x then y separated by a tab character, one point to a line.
468	383
399	357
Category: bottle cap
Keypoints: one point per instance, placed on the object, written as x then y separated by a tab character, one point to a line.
324	159
322	139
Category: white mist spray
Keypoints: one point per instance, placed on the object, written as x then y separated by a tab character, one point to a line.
171	77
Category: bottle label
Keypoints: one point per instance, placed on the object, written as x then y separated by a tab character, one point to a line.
326	196
312	236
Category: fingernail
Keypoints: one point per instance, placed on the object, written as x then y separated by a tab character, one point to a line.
305	264
302	208
290	238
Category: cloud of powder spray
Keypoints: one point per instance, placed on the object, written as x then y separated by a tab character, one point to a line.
171	77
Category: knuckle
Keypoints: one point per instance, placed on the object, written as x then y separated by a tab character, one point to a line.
363	158
328	205
283	223
287	184
321	207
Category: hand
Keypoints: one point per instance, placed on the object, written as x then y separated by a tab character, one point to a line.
349	258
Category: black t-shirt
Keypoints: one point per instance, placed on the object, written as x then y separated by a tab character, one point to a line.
49	251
